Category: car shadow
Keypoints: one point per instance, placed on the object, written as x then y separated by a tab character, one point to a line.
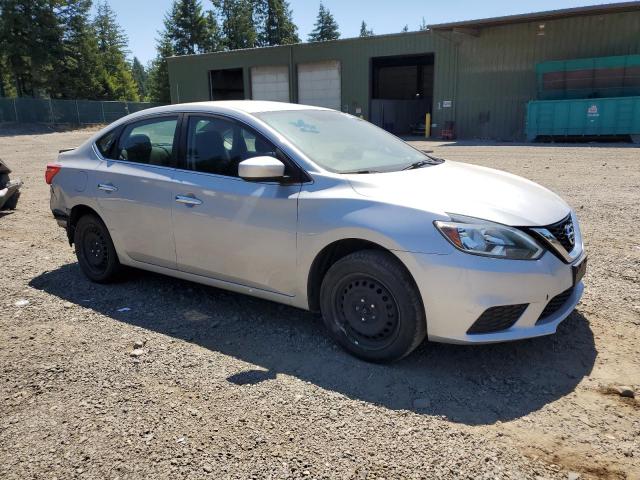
467	384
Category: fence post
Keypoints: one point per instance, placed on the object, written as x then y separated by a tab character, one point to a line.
104	120
15	109
51	113
78	112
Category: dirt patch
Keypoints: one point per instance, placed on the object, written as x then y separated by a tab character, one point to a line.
229	386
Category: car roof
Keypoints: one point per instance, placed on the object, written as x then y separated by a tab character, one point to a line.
246	106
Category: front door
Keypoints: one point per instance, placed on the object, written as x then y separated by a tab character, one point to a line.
135	190
225	227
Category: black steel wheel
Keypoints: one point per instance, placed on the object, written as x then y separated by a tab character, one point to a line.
367	311
372	307
94	249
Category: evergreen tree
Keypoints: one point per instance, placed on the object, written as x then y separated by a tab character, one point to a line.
423	25
139	75
6	78
238	23
158	84
326	27
364	31
276	23
79	69
7	88
405	29
213	40
187	30
116	80
190	29
30	42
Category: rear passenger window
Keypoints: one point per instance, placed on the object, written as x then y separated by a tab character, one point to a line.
149	142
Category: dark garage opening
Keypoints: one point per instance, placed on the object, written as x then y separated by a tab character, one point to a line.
401	92
226	84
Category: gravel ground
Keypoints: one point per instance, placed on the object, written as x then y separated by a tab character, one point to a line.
227	386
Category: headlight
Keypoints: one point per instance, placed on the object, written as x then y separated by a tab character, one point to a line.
481	237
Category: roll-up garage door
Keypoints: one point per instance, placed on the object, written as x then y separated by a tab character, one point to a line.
319	84
270	83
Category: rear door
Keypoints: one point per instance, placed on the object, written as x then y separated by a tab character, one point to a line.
225	227
134	188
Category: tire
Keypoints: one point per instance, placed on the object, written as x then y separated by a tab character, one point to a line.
96	254
371	306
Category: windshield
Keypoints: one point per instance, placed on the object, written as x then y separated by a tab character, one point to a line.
344	143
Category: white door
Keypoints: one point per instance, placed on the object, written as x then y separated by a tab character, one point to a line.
319	84
270	83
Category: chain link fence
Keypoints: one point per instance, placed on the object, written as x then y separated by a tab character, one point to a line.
75	112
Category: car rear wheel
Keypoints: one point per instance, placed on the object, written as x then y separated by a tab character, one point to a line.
95	251
371	306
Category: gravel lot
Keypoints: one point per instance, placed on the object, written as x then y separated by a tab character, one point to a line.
234	387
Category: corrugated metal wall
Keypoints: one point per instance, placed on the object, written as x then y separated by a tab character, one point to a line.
497	69
488	78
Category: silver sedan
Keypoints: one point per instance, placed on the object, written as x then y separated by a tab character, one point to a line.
323	211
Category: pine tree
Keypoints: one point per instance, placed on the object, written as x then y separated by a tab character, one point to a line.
364	31
326	27
405	29
7	88
140	76
190	29
116	80
31	43
423	25
276	23
187	30
6	78
158	83
79	69
213	40
238	23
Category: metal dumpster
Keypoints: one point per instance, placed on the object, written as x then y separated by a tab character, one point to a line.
584	117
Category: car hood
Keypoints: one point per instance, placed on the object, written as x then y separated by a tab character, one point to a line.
464	189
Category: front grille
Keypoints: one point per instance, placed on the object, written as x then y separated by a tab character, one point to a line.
499	318
560	229
555	304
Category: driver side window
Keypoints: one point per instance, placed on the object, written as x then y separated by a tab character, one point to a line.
217	146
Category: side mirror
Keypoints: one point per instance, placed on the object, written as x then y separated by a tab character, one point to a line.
261	168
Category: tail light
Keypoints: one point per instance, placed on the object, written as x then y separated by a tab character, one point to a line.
52	171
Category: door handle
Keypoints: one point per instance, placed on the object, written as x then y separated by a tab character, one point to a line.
107	187
188	200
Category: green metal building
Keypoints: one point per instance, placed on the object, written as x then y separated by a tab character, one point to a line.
475	76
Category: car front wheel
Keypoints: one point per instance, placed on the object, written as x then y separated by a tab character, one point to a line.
95	251
372	307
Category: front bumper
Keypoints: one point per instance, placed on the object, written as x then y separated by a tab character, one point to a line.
457	288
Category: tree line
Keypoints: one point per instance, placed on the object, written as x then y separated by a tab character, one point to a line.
59	49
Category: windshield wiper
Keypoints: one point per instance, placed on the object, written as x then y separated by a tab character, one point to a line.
361	171
422	163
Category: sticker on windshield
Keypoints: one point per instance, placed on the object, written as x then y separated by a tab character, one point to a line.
305	127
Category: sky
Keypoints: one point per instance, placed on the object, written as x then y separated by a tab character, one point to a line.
141	19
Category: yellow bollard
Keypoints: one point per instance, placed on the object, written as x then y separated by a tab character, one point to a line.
427	125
